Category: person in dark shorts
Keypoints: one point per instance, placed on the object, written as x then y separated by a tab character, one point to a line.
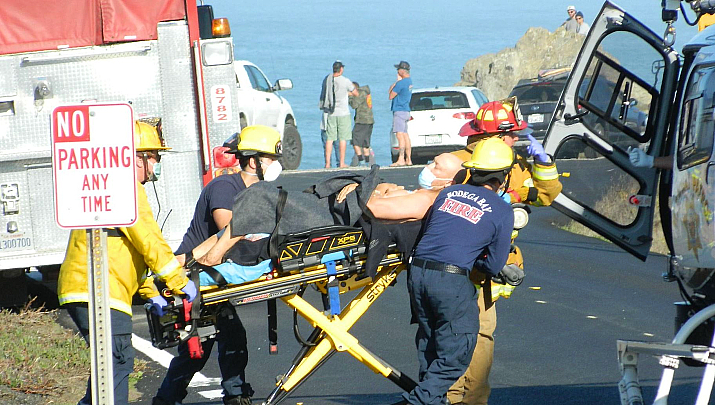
362	130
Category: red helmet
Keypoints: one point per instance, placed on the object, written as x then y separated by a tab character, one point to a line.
495	117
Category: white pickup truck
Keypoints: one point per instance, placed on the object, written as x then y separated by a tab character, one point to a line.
259	103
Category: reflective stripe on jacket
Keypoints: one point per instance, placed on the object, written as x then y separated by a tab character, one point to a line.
140	246
537	185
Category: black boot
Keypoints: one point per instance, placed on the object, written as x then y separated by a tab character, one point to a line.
237	400
159	401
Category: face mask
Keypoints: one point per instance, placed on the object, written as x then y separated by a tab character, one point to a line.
272	171
426	178
157	172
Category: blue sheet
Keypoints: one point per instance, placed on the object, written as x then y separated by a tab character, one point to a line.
236	274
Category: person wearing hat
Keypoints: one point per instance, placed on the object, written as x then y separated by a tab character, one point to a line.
401	93
536	184
334	104
131	251
467	230
582	28
257	148
570	24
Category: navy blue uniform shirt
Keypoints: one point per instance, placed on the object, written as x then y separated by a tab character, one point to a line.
465	223
219	193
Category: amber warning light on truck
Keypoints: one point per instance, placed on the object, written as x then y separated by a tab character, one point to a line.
93	158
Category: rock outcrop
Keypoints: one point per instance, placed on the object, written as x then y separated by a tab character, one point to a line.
539	49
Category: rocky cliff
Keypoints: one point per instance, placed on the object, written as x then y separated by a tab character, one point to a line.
496	74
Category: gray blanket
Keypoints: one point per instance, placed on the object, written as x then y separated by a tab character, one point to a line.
254	209
327	95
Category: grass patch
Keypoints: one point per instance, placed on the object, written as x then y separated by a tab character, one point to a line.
616	213
43	363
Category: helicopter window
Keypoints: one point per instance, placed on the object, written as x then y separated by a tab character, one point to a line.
695	131
618	91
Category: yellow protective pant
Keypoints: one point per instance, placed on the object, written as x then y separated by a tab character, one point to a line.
473	387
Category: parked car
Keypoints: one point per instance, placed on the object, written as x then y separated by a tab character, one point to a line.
539	96
436	117
259	103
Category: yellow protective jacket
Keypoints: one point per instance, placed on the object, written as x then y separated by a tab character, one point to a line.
537	185
139	247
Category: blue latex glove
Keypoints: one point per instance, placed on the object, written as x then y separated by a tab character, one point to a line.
639	158
190	290
536	150
506	197
157	304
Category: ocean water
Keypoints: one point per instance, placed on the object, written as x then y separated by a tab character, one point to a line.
301	39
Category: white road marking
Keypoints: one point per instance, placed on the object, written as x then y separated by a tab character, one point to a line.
213	394
164	358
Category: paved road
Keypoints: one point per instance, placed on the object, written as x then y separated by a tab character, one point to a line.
555	341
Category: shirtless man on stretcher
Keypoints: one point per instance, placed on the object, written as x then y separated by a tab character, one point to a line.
389	201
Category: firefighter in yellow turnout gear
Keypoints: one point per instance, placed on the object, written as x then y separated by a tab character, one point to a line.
130	251
536	184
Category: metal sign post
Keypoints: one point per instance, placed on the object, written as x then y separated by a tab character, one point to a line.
93	163
100	336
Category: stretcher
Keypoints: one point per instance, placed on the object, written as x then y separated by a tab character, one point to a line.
330	258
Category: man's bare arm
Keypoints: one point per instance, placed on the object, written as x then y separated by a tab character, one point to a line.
405	207
221	217
214	254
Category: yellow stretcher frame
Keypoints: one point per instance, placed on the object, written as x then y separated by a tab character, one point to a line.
331	333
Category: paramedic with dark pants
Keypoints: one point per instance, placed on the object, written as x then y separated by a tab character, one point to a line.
536	184
130	251
469	226
257	149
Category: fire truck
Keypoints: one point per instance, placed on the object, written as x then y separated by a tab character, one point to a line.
171	60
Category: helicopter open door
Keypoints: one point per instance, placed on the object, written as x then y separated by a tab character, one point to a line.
618	95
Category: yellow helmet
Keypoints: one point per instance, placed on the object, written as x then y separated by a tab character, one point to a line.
146	137
255	139
491	155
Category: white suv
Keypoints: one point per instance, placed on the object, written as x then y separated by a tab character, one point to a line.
260	104
435	120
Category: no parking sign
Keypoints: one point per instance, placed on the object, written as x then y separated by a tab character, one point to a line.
93	156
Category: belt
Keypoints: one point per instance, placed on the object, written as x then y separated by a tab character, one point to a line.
439	266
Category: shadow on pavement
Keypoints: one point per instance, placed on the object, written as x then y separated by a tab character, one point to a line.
684	392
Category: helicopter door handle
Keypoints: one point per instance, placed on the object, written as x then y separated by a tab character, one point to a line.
574	117
707	171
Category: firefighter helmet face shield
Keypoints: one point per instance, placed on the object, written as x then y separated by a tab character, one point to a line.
151	168
480	177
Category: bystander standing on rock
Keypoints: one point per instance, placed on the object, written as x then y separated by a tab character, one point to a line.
582	28
570	24
362	130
